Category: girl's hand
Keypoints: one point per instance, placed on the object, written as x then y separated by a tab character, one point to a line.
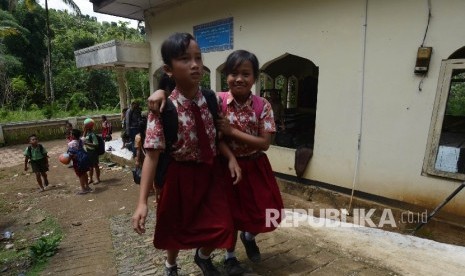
223	125
235	170
156	101
138	219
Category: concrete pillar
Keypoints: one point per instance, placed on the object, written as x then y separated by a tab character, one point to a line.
122	87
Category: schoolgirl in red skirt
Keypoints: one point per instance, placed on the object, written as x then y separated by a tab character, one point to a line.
192	211
247	126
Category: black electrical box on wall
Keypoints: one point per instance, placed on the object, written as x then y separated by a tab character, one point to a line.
423	59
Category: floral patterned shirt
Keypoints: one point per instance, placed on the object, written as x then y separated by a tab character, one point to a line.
186	148
74	145
243	118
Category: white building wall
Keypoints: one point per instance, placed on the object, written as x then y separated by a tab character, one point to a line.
396	116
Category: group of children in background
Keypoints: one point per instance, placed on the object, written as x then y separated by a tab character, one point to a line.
219	181
82	150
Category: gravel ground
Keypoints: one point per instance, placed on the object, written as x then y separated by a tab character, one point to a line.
136	255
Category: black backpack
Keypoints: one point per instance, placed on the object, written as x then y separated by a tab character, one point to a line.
169	118
101	144
81	157
29	150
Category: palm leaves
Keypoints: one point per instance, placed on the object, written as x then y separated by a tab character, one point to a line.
31	4
9	26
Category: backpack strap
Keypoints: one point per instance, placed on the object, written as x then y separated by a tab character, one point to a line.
169	116
257	104
42	149
169	119
212	102
29	150
224	101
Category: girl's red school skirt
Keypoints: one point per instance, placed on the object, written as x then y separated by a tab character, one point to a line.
193	210
256	193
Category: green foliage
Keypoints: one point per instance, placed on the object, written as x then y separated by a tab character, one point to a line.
456	100
22	56
49	110
9	116
30	253
205	82
9	26
44	248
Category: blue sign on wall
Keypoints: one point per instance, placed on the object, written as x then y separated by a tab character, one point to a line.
215	36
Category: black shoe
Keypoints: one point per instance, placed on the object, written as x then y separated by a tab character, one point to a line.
233	267
206	266
251	248
171	271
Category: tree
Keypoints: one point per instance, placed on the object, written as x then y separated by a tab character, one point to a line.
48	63
48	70
9	25
23	55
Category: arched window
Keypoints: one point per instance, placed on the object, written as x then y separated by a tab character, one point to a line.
266	82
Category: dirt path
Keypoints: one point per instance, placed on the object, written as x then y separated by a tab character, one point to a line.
98	239
87	246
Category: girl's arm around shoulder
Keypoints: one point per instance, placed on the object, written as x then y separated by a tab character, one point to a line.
148	174
156	101
233	166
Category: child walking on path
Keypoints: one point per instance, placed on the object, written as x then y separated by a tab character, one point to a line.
106	129
91	144
37	154
69	137
247	125
193	211
80	160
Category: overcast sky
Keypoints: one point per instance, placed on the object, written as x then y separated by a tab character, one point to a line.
87	8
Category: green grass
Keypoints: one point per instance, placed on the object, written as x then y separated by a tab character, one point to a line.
8	116
33	246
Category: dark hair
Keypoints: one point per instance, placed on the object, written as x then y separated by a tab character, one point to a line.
166	83
238	57
104	118
30	136
68	124
76	133
124	110
175	46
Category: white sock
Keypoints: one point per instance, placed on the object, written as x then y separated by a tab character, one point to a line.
201	255
230	255
169	265
249	236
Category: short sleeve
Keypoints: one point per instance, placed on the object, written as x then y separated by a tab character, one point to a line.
267	123
154	137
